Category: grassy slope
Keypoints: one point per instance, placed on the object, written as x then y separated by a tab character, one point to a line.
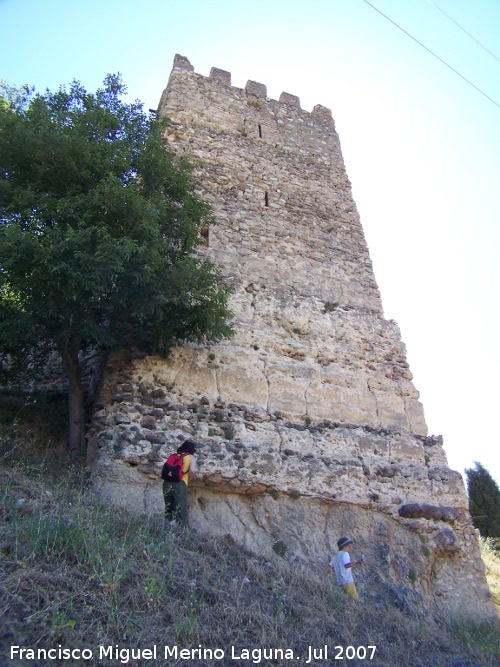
80	575
491	559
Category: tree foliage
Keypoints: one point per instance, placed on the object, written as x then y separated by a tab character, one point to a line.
12	97
484	500
99	234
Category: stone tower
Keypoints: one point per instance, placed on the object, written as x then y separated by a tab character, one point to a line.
308	423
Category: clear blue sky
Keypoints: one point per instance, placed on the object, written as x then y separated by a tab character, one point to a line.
422	147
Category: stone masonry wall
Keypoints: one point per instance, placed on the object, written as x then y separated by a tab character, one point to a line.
307	421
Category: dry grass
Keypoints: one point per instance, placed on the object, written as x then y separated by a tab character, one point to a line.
491	558
79	575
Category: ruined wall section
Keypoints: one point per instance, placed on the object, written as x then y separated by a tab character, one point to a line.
265	479
311	339
276	178
307	421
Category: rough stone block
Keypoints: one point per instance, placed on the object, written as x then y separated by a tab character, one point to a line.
221	76
322	112
257	89
291	100
181	62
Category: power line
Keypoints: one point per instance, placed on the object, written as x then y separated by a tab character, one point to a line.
433	54
463	30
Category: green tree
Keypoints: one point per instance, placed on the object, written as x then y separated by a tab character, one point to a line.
99	235
12	97
484	500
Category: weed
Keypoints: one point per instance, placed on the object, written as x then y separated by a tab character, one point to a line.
478	637
280	548
253	102
490	545
491	559
274	494
60	619
218	416
336	599
295	495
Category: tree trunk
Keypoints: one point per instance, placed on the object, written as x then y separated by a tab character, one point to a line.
76	406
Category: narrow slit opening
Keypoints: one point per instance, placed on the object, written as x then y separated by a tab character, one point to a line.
260	130
266	198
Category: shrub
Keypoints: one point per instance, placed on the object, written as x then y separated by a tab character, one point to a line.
280	548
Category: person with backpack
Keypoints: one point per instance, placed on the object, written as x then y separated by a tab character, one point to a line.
178	469
342	565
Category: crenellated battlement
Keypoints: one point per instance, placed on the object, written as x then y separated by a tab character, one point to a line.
221	75
251	88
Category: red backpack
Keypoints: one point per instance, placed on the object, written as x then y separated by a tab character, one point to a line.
172	470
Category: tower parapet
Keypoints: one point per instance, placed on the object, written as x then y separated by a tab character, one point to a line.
180	62
221	76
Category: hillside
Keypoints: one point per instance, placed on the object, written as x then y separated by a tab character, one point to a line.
76	575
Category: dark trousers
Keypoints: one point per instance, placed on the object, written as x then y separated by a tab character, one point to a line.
175	495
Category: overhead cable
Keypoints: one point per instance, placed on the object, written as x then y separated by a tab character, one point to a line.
433	54
464	30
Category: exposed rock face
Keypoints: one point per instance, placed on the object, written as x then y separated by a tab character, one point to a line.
308	423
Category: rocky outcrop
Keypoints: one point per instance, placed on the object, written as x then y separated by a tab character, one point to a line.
307	421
